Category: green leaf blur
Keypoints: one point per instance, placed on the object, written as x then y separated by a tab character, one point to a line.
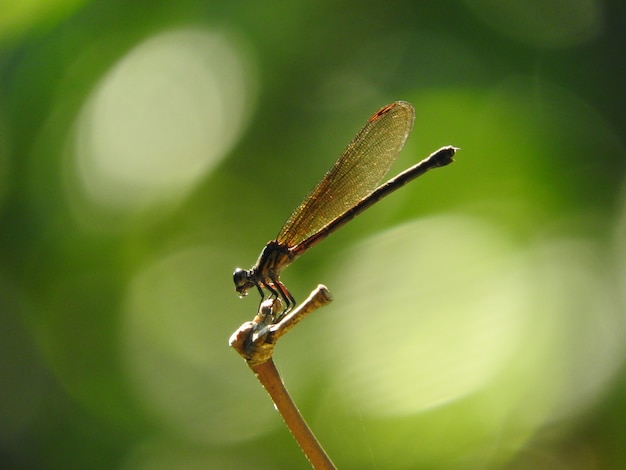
149	148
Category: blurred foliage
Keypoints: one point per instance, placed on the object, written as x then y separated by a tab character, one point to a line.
148	148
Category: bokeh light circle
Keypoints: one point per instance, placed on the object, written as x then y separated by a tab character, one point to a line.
174	344
160	119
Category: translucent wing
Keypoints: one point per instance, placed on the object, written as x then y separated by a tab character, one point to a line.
355	175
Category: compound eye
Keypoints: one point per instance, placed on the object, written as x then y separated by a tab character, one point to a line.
242	282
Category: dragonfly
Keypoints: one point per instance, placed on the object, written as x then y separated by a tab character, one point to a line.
351	186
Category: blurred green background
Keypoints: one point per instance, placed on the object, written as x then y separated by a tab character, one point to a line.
147	148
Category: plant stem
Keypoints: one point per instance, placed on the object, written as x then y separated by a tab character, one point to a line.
255	342
269	377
